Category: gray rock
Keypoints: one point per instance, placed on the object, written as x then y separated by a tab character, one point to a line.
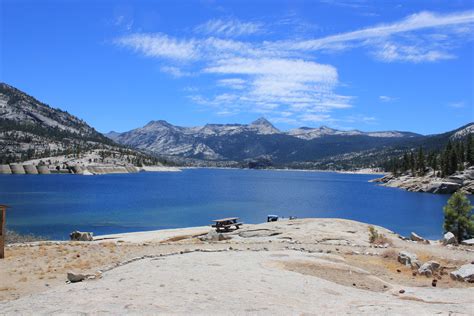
415	237
428	268
464	273
75	277
449	239
406	258
468	242
81	236
442	187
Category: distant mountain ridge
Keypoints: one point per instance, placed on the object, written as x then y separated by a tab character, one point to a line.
257	140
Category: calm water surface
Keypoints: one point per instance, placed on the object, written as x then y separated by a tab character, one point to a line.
55	205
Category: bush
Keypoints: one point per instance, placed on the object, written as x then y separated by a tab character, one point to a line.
376	238
458	217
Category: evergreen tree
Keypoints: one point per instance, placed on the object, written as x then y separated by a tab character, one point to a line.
452	162
406	163
434	163
420	162
470	150
412	164
460	155
458	217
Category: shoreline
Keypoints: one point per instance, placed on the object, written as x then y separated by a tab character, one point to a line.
460	181
120	169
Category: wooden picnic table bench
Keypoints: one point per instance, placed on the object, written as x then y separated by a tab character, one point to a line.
225	224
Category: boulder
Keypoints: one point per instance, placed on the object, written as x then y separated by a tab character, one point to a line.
406	258
81	236
449	239
415	237
442	187
459	179
468	242
464	273
75	277
214	236
428	268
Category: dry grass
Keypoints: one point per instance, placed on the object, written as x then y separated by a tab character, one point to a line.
390	254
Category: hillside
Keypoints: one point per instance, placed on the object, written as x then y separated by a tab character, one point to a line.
30	129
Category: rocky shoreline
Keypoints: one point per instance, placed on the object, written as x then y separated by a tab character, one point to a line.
430	183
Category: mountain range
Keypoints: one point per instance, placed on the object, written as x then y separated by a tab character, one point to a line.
305	147
31	129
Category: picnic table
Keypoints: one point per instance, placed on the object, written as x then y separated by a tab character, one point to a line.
226	224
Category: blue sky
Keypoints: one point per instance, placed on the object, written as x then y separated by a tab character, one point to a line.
381	65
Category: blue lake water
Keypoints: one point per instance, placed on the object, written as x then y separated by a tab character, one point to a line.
55	205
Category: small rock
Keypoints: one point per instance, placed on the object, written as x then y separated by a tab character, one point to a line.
434	282
75	277
401	291
406	258
449	239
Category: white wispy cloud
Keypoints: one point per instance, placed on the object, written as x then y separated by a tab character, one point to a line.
281	78
415	22
228	28
160	46
279	84
389	52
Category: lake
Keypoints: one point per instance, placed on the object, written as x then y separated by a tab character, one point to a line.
55	205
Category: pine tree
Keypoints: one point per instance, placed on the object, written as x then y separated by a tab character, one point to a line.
458	217
460	155
420	162
452	162
434	163
412	164
470	150
406	163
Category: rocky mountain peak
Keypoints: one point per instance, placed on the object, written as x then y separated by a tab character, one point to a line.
263	126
